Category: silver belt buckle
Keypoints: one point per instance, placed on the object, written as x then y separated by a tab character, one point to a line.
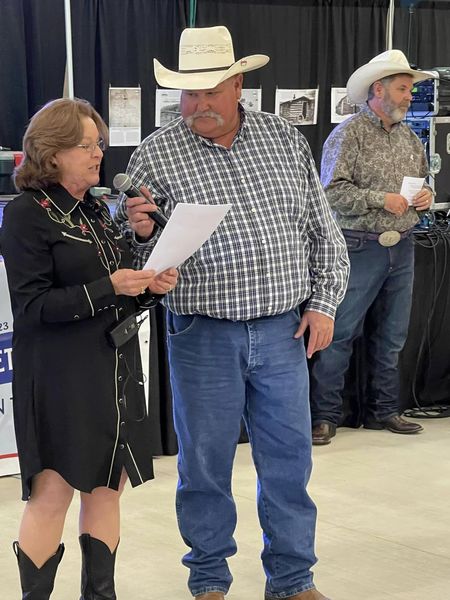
389	238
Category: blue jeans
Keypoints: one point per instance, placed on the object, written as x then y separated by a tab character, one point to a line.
380	286
222	371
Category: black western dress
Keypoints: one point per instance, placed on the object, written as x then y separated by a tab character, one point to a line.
79	403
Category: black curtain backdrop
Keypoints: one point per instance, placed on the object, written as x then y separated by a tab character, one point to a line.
32	62
160	405
421	30
117	49
424	362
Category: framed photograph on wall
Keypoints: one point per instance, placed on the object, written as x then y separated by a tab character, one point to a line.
299	107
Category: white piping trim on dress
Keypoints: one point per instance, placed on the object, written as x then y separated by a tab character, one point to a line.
57	207
76	238
118	415
134	463
90	302
99	244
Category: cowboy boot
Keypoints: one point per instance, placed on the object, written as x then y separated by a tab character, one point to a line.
97	569
37	584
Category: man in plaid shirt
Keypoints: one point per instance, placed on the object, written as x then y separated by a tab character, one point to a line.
234	326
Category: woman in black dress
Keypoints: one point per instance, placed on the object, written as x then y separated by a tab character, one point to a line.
79	407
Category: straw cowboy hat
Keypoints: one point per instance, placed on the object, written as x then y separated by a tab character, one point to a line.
206	58
391	62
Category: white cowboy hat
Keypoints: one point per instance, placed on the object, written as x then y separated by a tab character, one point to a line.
206	58
391	62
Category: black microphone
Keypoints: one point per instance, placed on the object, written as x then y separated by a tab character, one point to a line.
123	183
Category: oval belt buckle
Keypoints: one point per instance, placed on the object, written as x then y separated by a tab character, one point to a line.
389	238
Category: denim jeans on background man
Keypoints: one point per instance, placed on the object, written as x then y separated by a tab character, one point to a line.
220	371
380	284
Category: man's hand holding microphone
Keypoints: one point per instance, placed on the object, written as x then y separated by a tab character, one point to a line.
143	215
139	211
142	211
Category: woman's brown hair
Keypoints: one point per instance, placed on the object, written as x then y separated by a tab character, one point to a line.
56	126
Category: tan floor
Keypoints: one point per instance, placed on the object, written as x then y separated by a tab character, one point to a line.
383	531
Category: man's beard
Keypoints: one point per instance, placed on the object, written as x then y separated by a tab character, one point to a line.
396	113
209	113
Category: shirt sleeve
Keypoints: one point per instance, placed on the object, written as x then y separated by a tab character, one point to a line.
30	272
339	156
328	258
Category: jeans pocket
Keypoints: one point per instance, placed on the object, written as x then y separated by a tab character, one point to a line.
353	243
180	324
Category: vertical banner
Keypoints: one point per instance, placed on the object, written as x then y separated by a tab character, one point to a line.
9	463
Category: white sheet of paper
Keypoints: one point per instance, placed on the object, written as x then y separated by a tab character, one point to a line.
410	187
188	228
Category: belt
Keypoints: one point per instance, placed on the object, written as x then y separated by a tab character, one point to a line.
387	238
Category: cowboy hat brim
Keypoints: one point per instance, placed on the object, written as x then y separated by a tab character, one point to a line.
207	79
360	81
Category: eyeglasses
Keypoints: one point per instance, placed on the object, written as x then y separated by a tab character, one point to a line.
93	147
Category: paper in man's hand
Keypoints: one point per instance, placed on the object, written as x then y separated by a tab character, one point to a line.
410	187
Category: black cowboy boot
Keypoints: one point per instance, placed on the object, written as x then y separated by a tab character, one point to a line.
37	584
97	569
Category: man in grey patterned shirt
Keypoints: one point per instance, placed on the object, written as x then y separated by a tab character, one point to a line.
234	328
363	164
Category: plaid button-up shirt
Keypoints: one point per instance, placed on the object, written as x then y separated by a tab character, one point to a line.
279	244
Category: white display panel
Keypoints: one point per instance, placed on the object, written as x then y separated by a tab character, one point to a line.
9	463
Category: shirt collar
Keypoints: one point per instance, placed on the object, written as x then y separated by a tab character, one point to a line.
61	199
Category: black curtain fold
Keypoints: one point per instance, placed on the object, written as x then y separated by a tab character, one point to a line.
424	362
117	49
13	75
163	435
421	30
32	51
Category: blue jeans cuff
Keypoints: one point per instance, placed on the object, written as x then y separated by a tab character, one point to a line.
205	590
289	594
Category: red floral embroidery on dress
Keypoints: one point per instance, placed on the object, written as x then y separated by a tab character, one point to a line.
45	203
84	228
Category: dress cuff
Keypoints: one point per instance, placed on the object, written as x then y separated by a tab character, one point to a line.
100	295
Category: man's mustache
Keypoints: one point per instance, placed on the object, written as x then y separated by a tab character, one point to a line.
205	114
